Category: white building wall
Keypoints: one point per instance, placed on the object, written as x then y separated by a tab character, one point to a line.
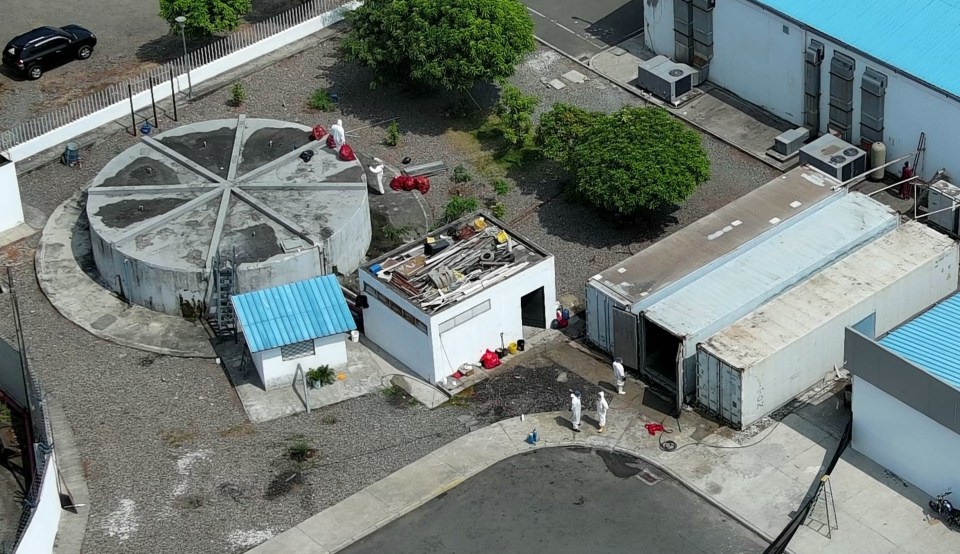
658	26
468	341
909	444
277	373
11	210
757	60
782	376
400	338
41	533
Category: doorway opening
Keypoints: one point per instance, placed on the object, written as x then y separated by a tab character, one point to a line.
533	311
660	355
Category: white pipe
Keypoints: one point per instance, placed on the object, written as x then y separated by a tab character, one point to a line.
857	177
907	180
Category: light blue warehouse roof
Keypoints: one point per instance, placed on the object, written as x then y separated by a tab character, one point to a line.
759	273
918	37
292	313
931	341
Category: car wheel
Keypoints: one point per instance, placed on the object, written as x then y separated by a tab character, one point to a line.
84	52
34	72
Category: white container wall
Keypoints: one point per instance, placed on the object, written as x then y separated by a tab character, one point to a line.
926	452
789	345
408	342
11	210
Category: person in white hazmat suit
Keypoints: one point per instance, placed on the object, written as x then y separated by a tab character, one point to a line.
618	374
339	135
378	171
575	410
602	408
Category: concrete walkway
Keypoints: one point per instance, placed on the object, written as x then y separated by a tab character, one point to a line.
759	484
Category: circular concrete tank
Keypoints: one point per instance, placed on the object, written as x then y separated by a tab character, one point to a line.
164	211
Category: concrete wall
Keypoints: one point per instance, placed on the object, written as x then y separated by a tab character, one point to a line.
162	91
347	247
41	532
757	60
397	336
279	270
11	210
277	373
468	341
658	26
901	439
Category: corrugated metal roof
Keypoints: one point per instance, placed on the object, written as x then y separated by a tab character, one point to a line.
300	311
932	341
918	37
834	290
745	282
694	247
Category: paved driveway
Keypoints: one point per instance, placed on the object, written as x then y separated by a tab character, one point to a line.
561	500
582	29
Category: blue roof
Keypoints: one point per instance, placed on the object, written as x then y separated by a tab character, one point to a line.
918	37
292	313
931	341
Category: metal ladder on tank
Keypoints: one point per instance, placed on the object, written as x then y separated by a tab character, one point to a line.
224	282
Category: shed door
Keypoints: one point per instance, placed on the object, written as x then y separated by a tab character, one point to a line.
625	339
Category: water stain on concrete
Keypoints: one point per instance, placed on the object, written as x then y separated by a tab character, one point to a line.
268	144
142	171
210	149
125	213
621	465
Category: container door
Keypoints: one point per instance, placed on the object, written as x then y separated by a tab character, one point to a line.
730	393
598	319
625	339
708	382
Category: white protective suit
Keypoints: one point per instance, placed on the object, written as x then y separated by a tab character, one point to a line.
575	411
618	374
602	408
339	135
378	171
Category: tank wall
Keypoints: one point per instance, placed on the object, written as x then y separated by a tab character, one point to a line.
279	271
347	248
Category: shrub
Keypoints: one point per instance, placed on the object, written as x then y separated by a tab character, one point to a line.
238	94
458	206
498	210
501	187
515	110
320	376
320	100
300	449
461	175
393	134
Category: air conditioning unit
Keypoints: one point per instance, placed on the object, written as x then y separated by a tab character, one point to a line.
835	157
666	79
788	143
943	202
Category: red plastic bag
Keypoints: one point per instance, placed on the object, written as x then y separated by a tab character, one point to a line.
422	184
654	428
346	153
395	183
330	142
318	132
489	360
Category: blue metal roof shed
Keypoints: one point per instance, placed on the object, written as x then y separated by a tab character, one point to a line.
305	310
931	341
918	37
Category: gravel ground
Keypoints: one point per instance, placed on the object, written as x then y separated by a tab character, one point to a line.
170	462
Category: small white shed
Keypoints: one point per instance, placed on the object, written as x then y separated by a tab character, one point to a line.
304	323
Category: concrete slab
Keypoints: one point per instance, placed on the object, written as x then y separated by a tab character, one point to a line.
291	540
416	483
574	76
65	273
557	84
345	521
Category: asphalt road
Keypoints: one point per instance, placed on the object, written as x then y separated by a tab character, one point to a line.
560	500
583	29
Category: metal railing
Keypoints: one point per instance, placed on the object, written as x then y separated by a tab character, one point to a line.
40	425
121	91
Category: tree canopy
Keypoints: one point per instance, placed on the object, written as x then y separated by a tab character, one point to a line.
626	162
446	44
204	17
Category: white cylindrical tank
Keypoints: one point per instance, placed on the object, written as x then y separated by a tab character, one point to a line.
878	157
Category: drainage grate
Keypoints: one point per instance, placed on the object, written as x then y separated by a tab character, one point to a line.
649	477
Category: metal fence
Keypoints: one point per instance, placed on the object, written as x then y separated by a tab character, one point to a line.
40	429
119	92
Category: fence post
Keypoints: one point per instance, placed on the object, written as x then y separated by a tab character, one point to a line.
173	96
133	117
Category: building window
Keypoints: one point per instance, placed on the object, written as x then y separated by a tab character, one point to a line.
297	350
382	298
464	317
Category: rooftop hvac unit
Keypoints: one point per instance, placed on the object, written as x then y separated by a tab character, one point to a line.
944	196
835	157
666	79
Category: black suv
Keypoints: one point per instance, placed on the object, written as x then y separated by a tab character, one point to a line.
31	53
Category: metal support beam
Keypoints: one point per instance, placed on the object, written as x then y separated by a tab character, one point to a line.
159	221
218	229
305	186
237	143
283	220
183	160
273	165
151	189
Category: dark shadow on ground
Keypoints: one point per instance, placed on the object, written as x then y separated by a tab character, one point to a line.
619	24
170	47
265	9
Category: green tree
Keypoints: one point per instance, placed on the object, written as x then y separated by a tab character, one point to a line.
515	110
632	160
561	129
446	44
204	17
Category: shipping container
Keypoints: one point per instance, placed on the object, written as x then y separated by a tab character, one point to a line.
791	344
683	256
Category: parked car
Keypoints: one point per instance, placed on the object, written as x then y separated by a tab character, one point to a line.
30	54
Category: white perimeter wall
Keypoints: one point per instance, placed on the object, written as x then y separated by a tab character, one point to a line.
911	445
162	91
11	211
433	355
756	60
468	341
42	530
276	373
784	375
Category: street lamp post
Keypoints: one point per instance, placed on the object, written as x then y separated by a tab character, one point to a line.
180	21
